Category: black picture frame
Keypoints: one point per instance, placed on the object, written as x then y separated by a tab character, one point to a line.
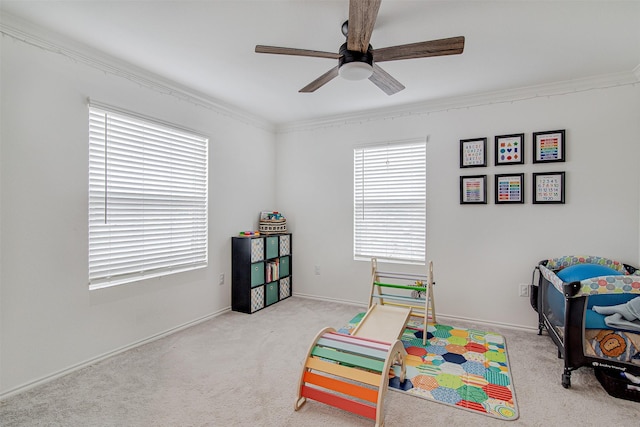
509	149
509	188
473	190
548	187
473	153
549	146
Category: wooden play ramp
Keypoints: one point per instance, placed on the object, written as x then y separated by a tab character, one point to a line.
349	372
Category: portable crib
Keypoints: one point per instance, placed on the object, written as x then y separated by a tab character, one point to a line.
565	310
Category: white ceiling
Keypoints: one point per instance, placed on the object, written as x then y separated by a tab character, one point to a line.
208	46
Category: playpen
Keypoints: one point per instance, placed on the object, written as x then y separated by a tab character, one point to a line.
567	291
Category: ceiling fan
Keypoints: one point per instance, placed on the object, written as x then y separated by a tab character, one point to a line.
357	60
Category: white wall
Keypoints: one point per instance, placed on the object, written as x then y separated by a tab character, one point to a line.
480	252
50	321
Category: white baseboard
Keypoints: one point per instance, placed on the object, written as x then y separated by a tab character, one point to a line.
336	300
73	368
438	315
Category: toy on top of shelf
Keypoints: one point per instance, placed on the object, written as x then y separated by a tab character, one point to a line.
271	215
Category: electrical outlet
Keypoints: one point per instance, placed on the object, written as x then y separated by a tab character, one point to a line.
221	279
524	290
317	270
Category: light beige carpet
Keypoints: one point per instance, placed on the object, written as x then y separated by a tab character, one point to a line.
242	370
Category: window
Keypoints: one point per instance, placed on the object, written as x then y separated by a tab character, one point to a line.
390	202
147	198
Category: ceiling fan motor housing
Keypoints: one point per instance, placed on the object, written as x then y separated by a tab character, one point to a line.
361	63
358	65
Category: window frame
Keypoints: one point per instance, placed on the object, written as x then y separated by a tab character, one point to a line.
147	197
407	236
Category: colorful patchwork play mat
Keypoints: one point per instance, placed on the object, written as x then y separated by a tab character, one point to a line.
465	368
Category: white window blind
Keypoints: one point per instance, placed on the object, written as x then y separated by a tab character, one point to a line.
147	198
390	202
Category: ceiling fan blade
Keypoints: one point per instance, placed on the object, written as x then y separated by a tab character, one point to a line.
450	46
321	81
384	81
362	18
298	52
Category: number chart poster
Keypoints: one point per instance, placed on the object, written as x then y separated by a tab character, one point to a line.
509	189
549	188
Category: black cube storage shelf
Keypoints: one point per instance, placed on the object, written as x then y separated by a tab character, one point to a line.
260	271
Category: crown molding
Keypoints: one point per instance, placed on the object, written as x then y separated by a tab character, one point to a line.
49	41
468	101
52	42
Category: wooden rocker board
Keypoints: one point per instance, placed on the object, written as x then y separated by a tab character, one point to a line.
352	372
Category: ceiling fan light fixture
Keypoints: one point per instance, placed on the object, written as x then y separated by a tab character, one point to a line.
355	56
354	65
355	71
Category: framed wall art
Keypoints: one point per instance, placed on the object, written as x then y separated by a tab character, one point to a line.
509	149
549	146
473	189
473	153
510	188
548	187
